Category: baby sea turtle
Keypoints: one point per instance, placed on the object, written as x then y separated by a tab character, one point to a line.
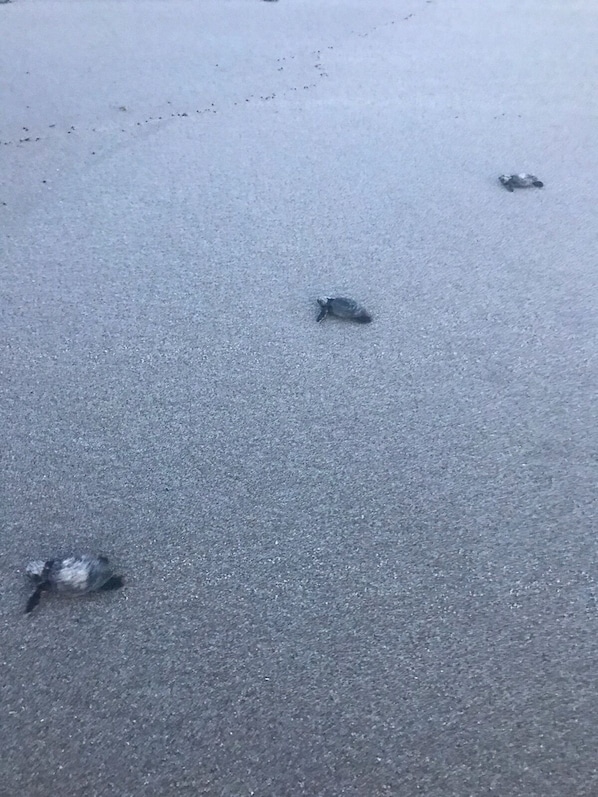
342	307
513	181
75	575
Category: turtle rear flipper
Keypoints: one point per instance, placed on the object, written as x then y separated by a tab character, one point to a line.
34	599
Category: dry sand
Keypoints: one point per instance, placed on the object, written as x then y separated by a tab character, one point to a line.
360	560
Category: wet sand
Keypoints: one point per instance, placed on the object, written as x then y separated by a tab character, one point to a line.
360	560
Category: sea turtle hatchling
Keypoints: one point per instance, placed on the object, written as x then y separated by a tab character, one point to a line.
342	307
513	181
75	575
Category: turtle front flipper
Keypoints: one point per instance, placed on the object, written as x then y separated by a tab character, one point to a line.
34	599
114	582
362	317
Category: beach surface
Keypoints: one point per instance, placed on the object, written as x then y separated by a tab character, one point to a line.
359	560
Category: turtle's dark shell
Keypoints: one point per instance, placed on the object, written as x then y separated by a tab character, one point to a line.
342	307
75	575
513	181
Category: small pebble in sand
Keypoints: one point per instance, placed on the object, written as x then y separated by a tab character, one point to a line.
513	181
342	307
75	575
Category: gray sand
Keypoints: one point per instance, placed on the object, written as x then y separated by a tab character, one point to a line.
360	560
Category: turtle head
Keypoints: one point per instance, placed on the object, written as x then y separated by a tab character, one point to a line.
324	309
38	570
